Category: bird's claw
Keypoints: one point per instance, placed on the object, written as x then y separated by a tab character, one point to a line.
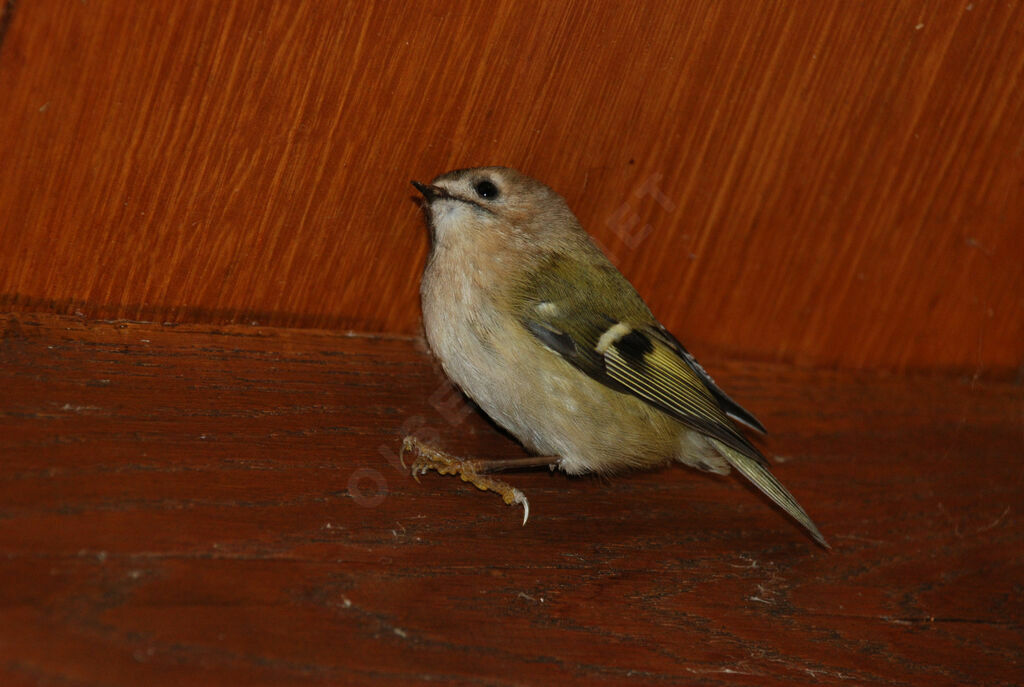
429	458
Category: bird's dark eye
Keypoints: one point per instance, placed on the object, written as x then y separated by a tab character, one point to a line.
486	189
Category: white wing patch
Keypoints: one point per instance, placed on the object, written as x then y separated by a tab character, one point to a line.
613	334
547	309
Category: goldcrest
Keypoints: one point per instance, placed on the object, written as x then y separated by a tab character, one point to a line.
531	320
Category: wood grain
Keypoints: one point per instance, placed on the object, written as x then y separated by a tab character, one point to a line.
826	183
194	505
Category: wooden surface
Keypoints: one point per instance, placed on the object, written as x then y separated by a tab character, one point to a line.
188	505
827	183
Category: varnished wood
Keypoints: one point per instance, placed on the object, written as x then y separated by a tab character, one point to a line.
194	505
827	183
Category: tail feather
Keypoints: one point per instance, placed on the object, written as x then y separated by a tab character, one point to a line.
764	480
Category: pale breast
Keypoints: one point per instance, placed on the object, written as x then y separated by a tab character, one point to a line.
545	402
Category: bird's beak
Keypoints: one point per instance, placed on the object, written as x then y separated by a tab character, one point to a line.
431	193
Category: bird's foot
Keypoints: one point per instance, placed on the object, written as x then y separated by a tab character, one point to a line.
470	470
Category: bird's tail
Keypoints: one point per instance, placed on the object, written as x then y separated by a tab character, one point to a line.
764	480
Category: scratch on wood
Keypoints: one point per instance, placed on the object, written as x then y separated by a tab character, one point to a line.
994	523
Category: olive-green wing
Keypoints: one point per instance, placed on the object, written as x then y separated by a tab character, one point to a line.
601	326
731	407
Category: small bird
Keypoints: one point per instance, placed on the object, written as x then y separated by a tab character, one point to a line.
533	322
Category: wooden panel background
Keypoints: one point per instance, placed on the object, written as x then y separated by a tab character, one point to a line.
838	183
186	506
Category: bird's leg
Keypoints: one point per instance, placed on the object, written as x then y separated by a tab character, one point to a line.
474	470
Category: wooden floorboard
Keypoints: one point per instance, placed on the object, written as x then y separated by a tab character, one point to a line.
190	505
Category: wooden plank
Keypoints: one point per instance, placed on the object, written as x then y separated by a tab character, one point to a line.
187	504
826	183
